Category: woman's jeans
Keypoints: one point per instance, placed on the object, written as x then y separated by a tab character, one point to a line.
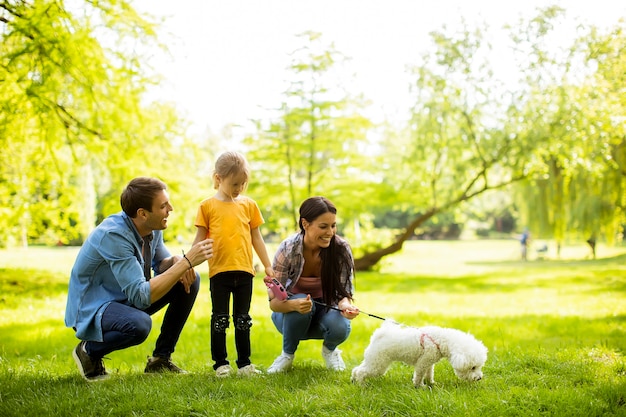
320	323
124	326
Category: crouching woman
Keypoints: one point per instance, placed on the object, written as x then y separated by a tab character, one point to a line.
316	267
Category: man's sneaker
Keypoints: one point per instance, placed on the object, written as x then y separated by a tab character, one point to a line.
223	371
248	370
281	364
158	364
333	359
91	370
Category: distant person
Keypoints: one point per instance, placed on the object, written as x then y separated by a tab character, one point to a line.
524	242
232	220
112	293
316	268
592	245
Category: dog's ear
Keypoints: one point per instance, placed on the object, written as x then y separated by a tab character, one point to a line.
459	360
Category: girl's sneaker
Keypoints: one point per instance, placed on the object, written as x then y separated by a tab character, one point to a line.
223	371
248	370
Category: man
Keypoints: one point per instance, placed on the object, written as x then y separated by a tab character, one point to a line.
111	293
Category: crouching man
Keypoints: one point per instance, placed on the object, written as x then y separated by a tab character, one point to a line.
112	293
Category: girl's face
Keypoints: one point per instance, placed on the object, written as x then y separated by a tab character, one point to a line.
319	232
233	185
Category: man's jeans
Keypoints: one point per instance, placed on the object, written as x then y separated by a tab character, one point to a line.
124	326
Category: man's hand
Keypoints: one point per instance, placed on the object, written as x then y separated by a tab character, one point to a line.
200	252
188	278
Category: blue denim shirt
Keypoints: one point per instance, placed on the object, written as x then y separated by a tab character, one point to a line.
109	267
289	263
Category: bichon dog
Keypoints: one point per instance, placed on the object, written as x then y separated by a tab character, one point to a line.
422	348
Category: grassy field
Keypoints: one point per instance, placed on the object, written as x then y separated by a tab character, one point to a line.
555	329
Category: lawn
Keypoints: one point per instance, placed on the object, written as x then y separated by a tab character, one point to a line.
555	329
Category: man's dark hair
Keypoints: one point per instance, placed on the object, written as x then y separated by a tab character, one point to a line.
140	193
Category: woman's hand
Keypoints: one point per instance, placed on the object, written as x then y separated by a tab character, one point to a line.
348	310
303	305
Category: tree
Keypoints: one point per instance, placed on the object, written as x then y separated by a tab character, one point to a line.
573	97
74	122
455	147
315	146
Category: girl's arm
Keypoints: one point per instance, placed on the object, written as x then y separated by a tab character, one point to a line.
201	234
259	247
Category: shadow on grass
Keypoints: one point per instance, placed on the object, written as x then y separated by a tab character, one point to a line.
32	282
533	382
49	338
598	275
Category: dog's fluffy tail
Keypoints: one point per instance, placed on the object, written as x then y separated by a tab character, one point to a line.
386	327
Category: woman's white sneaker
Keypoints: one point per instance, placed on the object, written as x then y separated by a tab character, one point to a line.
333	359
281	364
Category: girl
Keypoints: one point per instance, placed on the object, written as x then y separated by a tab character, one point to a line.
232	221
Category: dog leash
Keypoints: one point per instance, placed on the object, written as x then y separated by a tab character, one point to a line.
338	309
279	291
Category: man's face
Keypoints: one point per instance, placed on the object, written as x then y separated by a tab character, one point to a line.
161	208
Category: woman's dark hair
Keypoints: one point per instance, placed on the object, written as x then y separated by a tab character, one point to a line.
140	193
335	258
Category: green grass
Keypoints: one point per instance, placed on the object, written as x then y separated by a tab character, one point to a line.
555	329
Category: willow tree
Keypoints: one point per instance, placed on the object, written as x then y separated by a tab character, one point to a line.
575	105
557	136
74	124
458	144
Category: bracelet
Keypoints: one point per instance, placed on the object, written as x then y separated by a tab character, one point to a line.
185	256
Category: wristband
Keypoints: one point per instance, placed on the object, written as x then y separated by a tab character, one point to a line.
185	256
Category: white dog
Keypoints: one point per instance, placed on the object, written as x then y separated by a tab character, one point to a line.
422	348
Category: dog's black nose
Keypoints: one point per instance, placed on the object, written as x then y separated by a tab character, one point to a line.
478	378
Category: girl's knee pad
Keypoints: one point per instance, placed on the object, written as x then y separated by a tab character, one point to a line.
243	322
220	323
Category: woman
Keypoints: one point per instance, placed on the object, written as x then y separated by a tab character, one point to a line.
316	268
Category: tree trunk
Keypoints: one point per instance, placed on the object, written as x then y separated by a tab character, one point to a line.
367	261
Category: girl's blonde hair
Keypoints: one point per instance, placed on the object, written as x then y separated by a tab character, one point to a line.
230	163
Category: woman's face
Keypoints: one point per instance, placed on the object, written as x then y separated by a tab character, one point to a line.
319	232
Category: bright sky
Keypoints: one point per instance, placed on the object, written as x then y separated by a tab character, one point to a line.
230	57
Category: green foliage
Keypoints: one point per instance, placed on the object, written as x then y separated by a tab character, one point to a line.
570	107
75	125
315	145
554	330
549	147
